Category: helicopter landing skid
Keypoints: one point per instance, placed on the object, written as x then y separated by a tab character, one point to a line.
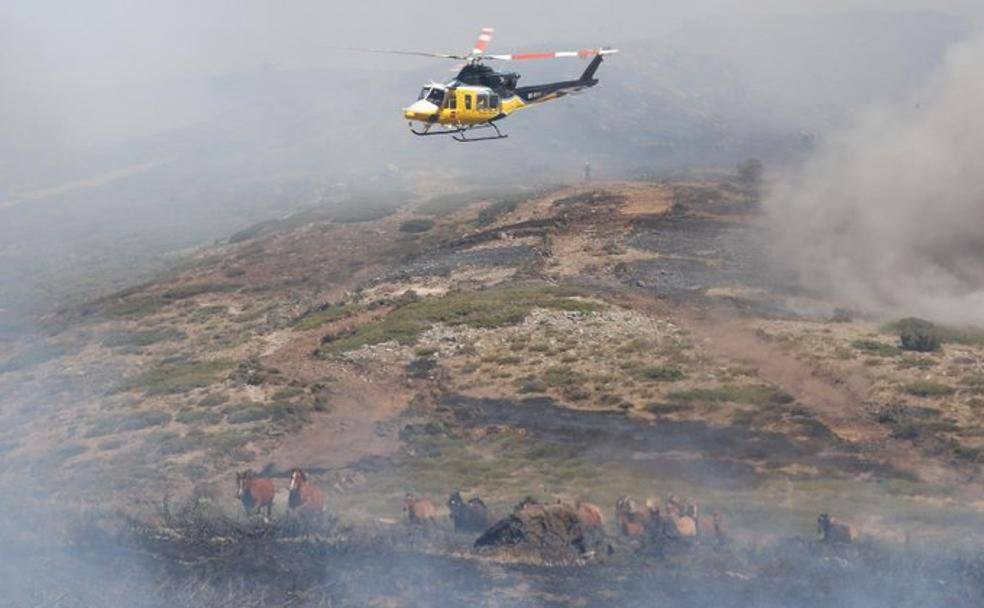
459	134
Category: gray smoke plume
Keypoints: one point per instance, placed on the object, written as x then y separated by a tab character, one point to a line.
889	214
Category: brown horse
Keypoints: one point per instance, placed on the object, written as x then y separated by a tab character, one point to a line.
304	496
634	520
419	510
589	515
255	492
679	521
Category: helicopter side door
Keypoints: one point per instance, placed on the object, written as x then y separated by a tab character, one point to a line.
449	110
487	105
473	106
468	114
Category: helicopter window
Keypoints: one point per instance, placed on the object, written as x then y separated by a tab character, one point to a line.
452	101
435	96
468	102
494	101
483	102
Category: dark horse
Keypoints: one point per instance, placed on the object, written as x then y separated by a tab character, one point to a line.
471	516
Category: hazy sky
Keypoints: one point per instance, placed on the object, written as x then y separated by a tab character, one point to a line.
92	69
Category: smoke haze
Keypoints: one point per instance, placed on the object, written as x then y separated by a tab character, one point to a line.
887	214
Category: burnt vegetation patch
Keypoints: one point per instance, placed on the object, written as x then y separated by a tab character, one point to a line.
595	198
193	555
417	225
728	454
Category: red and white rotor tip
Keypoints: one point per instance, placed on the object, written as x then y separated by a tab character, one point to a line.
482	44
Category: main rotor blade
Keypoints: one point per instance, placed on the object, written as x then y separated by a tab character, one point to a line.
416	53
555	55
483	41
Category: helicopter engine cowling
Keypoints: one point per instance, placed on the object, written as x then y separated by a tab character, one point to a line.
510	80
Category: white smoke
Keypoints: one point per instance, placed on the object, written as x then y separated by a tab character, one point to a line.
890	213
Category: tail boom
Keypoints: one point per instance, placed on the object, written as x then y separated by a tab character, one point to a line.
540	93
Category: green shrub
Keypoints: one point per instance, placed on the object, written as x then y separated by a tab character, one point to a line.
133	421
636	346
561	376
325	315
753	394
213	399
499	359
666	408
289	413
660	373
249	413
874	347
915	362
287	393
927	388
529	384
143	419
969	336
106	425
918	335
179	376
170	443
204	314
110	444
142	338
195	417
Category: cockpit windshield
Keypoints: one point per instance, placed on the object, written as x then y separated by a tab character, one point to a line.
433	95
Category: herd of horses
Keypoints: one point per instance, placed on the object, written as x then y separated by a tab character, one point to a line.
673	518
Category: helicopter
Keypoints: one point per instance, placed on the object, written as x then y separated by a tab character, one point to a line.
478	97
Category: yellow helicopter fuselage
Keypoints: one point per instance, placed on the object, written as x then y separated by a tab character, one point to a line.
462	106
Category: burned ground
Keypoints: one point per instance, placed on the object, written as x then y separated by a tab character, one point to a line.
728	455
193	558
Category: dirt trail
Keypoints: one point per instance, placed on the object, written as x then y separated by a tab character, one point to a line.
837	398
348	432
358	402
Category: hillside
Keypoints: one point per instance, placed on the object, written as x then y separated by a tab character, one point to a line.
571	342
